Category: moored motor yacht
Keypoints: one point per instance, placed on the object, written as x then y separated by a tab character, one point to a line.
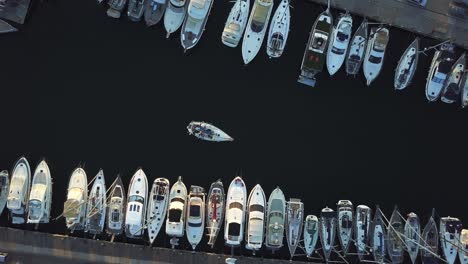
195	21
4	186
235	23
135	9
463	247
74	209
195	224
255	219
136	205
40	199
154	11
276	214
339	43
438	71
175	222
174	15
375	54
452	89
116	210
18	195
115	8
235	212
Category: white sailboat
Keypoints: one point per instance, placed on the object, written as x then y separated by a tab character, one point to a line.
74	209
40	199
412	236
450	229
157	207
176	212
116	212
256	29
235	213
451	90
339	43
235	23
430	241
97	205
136	205
361	229
174	15
276	216
378	237
311	234
279	30
293	225
356	49
195	22
407	66
4	186
256	219
18	195
207	132
195	224
375	53
345	224
327	231
215	211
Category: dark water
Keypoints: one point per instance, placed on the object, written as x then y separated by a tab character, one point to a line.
80	88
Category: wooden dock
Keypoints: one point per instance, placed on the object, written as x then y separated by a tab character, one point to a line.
23	246
433	21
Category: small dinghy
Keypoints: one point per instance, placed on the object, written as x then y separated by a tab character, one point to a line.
4	186
430	242
256	29
293	225
276	216
136	205
235	213
177	206
450	229
279	30
116	212
378	238
157	207
345	224
464	89
135	9
463	247
395	231
40	199
375	54
452	89
115	8
316	49
97	205
255	219
18	196
311	234
207	132
194	25
154	11
339	43
327	231
356	50
195	224
361	230
407	66
74	209
174	16
412	236
215	211
440	68
235	23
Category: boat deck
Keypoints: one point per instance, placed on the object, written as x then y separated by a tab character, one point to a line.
22	245
434	21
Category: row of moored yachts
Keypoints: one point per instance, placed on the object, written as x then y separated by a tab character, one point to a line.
194	214
333	45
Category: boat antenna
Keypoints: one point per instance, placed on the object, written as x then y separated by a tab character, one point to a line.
328	8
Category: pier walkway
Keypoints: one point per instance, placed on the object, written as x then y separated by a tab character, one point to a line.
23	246
433	21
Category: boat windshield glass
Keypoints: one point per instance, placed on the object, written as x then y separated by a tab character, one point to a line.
178	199
236	205
136	198
338	51
234	26
341	36
195	210
115	215
438	80
374	59
175	215
259	18
234	229
256	208
195	224
159	197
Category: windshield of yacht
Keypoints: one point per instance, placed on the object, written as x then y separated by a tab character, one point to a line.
256	208
341	36
175	215
234	27
375	60
234	230
195	210
115	215
235	205
338	51
136	198
259	18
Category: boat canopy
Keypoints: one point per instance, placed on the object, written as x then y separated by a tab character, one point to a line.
259	17
236	205
195	210
175	215
256	208
234	230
